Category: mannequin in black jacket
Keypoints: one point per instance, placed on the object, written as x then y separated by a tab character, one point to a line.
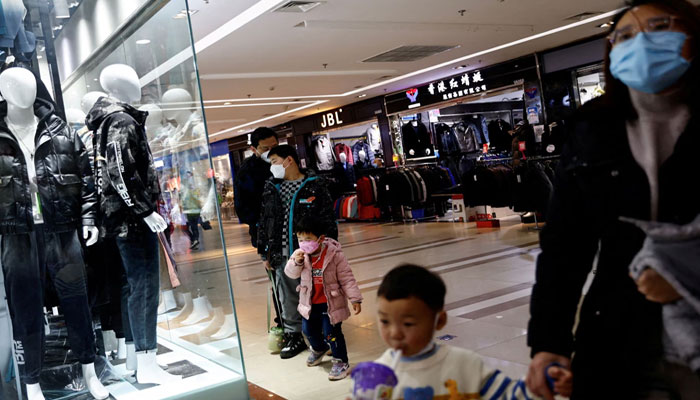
46	195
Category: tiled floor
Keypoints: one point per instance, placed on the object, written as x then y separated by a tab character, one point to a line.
489	274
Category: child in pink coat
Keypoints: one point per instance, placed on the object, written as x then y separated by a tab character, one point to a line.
327	283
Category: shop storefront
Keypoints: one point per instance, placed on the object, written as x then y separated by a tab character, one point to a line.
145	134
475	125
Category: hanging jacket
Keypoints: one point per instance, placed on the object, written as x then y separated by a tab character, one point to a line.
361	145
466	136
416	138
447	140
127	183
65	183
324	153
499	136
312	199
339	283
342	148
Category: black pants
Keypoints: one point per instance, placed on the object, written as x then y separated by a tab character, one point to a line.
27	260
192	226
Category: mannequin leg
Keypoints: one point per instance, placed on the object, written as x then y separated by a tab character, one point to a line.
139	253
25	297
121	348
34	392
96	389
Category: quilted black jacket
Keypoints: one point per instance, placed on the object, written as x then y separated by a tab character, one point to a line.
64	177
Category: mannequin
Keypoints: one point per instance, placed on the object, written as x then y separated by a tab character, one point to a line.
374	138
156	132
178	108
48	245
128	191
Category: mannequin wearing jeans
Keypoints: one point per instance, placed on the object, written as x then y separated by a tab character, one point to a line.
128	191
40	236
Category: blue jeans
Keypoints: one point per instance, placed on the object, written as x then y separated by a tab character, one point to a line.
322	335
140	258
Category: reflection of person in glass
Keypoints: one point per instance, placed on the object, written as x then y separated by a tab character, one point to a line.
192	208
631	153
46	195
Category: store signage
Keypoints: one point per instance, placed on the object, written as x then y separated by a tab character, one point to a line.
332	119
470	83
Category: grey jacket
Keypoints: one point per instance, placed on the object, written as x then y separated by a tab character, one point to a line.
674	252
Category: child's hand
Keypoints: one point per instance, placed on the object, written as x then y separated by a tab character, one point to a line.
563	380
357	307
299	257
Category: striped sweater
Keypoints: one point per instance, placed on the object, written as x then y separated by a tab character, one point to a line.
451	373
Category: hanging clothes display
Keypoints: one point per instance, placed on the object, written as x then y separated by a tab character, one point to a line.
374	137
499	136
341	148
324	153
13	34
363	155
416	140
344	173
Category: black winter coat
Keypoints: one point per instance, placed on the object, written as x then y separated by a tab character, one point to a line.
127	183
618	339
313	198
64	178
247	193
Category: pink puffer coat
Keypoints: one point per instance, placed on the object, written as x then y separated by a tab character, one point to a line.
339	283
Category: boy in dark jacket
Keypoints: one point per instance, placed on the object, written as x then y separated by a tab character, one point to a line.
290	195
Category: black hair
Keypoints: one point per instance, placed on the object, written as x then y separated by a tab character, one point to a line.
261	133
617	94
409	280
310	224
285	151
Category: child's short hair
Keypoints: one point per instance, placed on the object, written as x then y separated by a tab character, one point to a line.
409	280
310	224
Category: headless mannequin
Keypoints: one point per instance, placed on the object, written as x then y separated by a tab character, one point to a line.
18	87
178	102
122	84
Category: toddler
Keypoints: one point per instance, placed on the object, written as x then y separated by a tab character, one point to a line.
327	283
410	305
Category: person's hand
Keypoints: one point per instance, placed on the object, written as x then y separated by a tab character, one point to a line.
655	288
267	265
299	257
90	234
357	307
536	379
563	380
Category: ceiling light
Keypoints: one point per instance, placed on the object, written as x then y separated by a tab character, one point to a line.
361	96
228	103
461	66
95	79
39	57
143	41
606	25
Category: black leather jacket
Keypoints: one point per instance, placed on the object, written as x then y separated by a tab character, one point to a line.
64	178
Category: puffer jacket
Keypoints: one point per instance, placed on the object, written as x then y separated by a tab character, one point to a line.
312	198
339	284
369	155
127	184
65	182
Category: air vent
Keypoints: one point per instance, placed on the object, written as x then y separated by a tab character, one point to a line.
583	15
409	53
297	6
381	78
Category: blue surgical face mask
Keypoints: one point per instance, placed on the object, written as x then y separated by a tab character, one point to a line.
651	62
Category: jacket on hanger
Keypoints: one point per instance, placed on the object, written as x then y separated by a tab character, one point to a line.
361	145
127	184
416	138
342	148
498	133
324	153
66	186
374	138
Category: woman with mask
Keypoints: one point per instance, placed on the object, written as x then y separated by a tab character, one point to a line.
630	154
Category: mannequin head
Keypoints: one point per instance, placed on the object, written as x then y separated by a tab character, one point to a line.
155	117
343	158
176	103
362	154
18	87
89	100
121	82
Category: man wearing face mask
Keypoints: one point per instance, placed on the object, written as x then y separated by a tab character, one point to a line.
290	195
629	156
250	180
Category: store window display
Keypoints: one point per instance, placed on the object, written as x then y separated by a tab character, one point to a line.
48	196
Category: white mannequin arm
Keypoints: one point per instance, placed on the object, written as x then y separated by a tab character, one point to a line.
156	222
90	234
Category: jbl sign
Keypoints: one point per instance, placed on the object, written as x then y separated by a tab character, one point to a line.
332	119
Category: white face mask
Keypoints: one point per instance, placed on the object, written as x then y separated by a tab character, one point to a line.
265	156
277	171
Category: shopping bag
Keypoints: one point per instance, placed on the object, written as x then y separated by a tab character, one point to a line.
275	338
